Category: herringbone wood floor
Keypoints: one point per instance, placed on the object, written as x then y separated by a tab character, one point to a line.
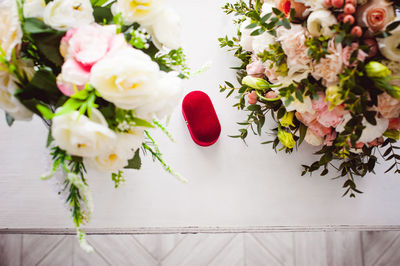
308	249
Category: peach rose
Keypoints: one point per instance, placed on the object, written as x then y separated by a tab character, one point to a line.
286	5
388	106
255	69
375	14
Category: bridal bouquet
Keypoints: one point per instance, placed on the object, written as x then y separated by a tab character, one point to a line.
328	72
100	74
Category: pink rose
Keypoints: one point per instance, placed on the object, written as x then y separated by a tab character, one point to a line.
82	48
375	14
388	106
348	51
255	69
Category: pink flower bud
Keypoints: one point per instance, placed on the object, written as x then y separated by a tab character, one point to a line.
253	97
349	18
337	3
349	9
356	31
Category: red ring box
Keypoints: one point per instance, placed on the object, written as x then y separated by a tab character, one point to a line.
201	118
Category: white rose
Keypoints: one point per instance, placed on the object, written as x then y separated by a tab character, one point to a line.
143	12
319	21
124	150
34	8
313	139
389	46
312	4
8	102
128	78
167	29
262	42
168	92
10	27
66	14
81	136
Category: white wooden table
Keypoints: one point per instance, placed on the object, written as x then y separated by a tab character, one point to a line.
231	187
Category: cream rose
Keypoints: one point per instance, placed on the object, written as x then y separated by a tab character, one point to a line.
167	29
124	150
81	136
65	14
10	27
319	21
34	8
390	46
8	102
144	12
128	78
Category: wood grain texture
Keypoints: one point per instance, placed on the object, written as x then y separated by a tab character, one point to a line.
299	249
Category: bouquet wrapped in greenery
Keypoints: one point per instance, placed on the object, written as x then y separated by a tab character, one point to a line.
100	74
328	73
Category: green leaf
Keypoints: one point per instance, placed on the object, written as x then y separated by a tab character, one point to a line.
97	3
49	138
45	111
45	80
392	26
254	107
258	32
102	14
142	123
303	131
252	25
135	162
35	26
265	18
69	106
10	120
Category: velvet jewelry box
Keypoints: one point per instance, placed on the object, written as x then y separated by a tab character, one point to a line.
201	118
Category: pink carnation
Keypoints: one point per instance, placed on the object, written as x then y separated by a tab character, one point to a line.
319	104
330	138
388	106
329	67
82	48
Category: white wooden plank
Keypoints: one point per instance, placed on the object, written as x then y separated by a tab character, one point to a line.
82	258
10	250
35	248
391	257
344	248
310	249
233	254
158	245
376	244
60	254
281	245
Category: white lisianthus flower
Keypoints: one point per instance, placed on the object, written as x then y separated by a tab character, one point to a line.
128	78
66	14
301	107
370	132
144	12
8	102
34	8
10	27
81	136
246	40
313	139
390	46
167	29
319	21
124	150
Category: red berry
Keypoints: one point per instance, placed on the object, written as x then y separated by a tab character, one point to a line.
337	3
328	3
349	9
340	17
348	18
353	2
356	31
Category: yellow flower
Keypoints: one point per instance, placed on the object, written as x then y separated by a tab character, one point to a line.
333	96
286	138
287	119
